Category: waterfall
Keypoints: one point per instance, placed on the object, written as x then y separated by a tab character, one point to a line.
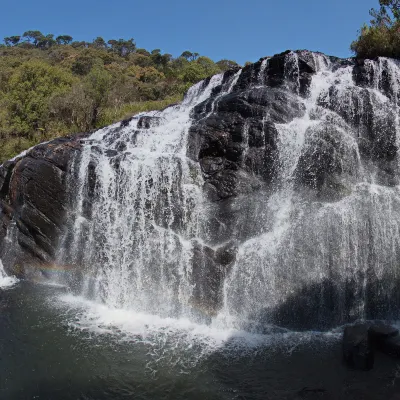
135	239
5	280
321	243
354	242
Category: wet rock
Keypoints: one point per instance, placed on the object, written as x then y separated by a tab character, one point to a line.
328	162
34	195
210	268
112	153
124	123
357	347
379	332
387	340
146	122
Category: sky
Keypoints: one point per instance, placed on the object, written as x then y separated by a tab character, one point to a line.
243	30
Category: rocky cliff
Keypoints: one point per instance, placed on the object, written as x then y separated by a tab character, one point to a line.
299	125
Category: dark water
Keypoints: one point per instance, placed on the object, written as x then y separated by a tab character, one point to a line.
42	357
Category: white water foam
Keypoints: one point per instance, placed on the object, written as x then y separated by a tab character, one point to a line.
176	342
5	280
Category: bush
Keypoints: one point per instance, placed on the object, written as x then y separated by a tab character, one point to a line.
377	41
382	37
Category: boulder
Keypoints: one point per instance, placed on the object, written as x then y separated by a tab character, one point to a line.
357	347
380	331
210	267
390	346
34	201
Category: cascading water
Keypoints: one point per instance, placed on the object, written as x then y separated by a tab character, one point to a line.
353	242
5	280
135	238
140	213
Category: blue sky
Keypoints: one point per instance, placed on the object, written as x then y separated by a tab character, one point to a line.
240	30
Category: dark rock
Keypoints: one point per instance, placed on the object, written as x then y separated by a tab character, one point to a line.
379	332
390	346
210	268
327	158
357	349
111	153
146	122
34	194
124	123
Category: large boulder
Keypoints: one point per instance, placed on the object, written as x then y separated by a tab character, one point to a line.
357	347
33	203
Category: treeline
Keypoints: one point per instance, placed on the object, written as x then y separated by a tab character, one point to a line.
381	38
52	86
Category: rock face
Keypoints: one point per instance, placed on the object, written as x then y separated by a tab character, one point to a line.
270	192
34	197
361	340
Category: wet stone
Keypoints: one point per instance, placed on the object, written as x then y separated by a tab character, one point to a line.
357	349
379	332
390	346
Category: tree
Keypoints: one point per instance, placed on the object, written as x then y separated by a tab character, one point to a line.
12	40
30	88
225	65
190	56
97	86
187	54
46	42
99	43
83	64
63	39
143	52
33	36
122	47
389	6
77	45
381	38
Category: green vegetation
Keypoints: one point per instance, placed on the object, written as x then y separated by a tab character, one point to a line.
51	87
382	37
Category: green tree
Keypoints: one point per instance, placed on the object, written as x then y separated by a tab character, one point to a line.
29	90
97	86
99	43
63	39
46	42
225	65
187	54
381	37
12	40
83	64
33	37
122	47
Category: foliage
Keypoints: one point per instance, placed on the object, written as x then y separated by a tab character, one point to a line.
382	37
52	86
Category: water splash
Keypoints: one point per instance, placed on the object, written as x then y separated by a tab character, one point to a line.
6	281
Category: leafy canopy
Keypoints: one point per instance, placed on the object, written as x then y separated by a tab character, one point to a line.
381	37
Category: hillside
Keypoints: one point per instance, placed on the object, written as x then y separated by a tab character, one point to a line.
51	87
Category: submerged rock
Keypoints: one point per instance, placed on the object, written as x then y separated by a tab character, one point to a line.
357	347
380	332
390	345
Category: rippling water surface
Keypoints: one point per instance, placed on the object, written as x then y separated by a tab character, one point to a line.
55	346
